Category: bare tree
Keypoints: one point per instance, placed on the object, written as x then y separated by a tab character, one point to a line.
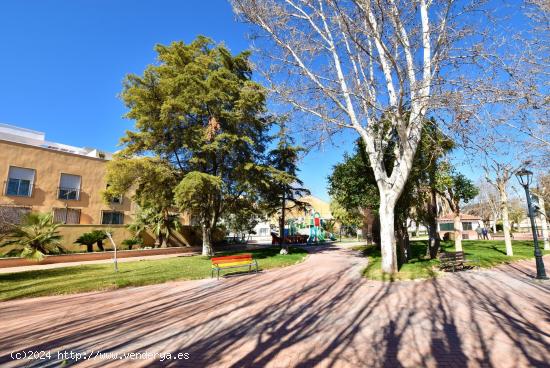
542	192
513	107
488	204
371	66
499	174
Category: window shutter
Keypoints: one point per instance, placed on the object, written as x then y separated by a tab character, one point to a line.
70	181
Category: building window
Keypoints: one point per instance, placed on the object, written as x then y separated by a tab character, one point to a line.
11	215
448	226
69	187
115	199
66	215
466	226
20	182
264	231
112	218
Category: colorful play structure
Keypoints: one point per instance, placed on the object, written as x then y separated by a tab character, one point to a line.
307	229
316	232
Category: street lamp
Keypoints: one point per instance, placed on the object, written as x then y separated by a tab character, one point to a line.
525	178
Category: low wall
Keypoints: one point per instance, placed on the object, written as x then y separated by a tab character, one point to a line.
72	232
188	236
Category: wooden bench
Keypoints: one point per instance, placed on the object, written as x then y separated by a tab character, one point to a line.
240	260
454	261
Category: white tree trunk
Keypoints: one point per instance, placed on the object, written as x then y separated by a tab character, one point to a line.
458	233
343	73
387	235
505	220
544	224
207	250
495	218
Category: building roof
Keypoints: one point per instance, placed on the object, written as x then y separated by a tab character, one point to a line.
463	216
30	137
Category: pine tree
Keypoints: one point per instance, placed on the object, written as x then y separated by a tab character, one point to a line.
200	115
286	188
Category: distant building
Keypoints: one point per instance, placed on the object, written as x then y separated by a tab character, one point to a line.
38	175
416	228
445	226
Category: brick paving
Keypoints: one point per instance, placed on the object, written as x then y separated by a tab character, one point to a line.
317	313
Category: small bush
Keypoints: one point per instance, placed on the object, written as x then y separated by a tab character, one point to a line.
130	242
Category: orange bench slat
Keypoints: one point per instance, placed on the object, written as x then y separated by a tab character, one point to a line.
232	258
242	260
233	264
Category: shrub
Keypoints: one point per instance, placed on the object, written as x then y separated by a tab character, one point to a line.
99	235
87	239
90	238
36	236
130	242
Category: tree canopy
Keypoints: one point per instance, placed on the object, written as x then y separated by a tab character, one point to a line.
352	183
201	124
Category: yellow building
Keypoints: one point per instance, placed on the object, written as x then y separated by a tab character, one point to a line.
67	181
314	205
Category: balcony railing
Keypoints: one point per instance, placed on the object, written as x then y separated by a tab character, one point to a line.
68	194
18	187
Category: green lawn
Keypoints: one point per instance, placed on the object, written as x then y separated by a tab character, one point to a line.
490	253
83	278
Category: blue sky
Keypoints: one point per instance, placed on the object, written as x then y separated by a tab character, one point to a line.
63	63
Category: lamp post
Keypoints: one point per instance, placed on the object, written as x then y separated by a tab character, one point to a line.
525	177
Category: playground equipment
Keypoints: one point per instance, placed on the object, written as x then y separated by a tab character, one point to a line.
316	233
292	228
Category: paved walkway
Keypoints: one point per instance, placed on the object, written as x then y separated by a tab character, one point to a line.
317	313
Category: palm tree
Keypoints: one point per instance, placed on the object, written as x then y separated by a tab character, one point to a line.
160	223
87	239
99	236
130	242
37	235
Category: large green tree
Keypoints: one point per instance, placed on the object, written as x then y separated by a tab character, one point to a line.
198	114
353	185
348	219
429	159
242	220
